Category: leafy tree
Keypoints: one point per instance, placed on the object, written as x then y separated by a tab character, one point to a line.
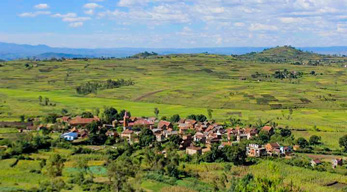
110	114
118	173
302	142
285	132
156	112
46	101
146	137
55	165
235	122
64	111
175	118
87	114
51	118
235	154
343	142
264	137
22	118
40	98
176	139
314	140
209	113
163	118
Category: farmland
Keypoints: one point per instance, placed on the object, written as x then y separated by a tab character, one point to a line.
183	84
306	94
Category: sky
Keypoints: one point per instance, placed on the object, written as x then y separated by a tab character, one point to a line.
174	23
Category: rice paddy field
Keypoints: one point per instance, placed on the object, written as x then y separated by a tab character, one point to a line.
184	84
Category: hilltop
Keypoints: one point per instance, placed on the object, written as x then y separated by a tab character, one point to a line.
285	54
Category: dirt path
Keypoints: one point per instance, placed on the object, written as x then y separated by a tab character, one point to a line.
148	94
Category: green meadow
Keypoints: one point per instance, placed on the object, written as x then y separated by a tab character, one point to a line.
183	84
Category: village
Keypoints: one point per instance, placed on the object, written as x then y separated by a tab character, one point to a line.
195	137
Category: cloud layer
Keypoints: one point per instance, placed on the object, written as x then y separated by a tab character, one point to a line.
216	22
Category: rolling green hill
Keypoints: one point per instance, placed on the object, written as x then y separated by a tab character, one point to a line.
186	84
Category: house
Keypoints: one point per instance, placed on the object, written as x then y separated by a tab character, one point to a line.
273	149
65	119
242	133
315	162
337	162
164	125
286	150
70	136
143	123
186	141
191	150
111	134
255	150
268	129
168	133
80	121
128	135
296	147
200	137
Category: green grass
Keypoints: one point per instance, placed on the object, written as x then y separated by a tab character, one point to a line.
306	179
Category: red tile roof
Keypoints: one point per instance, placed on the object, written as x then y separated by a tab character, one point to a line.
83	121
267	128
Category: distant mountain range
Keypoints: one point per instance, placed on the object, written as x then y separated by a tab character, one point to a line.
11	51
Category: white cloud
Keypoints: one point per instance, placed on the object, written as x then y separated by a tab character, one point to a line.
262	27
76	24
342	27
65	15
89	12
76	19
34	14
42	6
92	6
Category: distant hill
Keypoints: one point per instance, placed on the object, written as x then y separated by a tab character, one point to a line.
283	54
11	51
60	55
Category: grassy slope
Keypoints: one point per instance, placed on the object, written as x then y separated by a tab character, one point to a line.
179	84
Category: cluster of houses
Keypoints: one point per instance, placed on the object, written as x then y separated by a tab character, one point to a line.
193	135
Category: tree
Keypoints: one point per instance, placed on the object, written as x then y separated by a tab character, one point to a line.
209	113
87	114
22	118
146	137
46	101
55	165
40	98
343	142
64	111
118	173
302	142
110	114
51	118
285	132
314	140
156	112
175	118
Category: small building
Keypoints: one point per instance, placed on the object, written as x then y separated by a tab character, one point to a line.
164	125
315	162
80	121
191	150
296	147
268	129
337	162
286	150
70	136
255	150
273	149
200	137
128	135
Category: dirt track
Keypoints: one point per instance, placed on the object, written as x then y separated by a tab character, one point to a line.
147	95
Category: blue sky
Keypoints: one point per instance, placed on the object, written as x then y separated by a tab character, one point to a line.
174	23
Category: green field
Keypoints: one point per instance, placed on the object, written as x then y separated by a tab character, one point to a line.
183	84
